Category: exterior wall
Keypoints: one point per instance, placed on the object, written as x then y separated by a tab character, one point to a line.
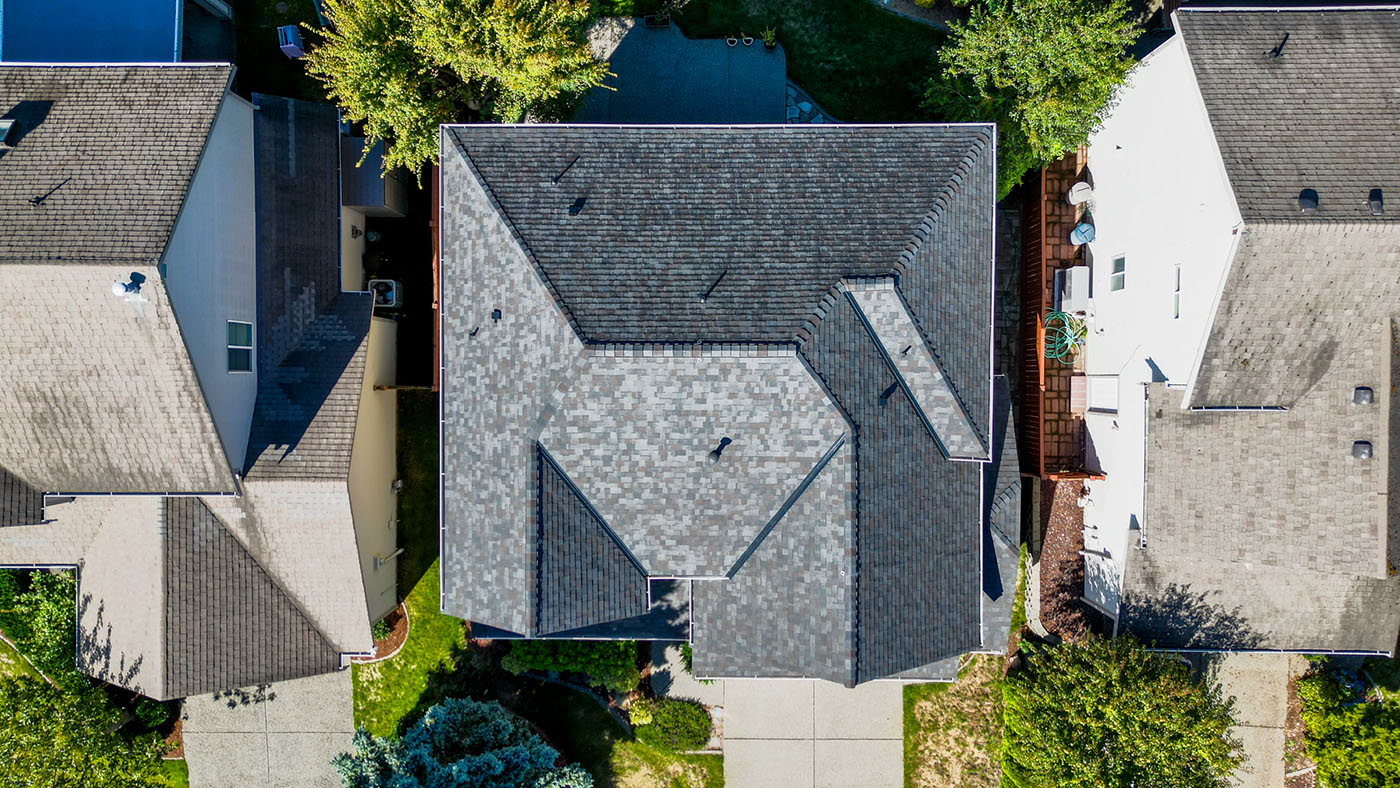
1162	200
211	271
352	251
373	469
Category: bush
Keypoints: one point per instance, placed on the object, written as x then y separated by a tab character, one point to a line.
1108	712
380	630
1355	745
11	619
611	664
674	725
49	614
151	713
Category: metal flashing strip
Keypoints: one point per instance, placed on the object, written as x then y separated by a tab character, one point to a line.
587	504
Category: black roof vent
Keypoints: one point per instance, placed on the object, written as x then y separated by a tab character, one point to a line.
1278	50
1363	395
1376	202
887	393
577	206
495	314
1307	201
1361	450
718	450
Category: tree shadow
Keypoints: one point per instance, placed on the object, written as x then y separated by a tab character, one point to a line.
1178	618
95	656
245	696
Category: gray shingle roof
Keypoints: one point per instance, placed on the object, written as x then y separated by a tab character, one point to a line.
112	147
1321	116
549	319
20	504
228	623
1299	296
304	420
296	154
586	575
1261	530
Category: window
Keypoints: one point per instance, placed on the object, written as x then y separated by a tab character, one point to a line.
1115	282
240	346
1176	296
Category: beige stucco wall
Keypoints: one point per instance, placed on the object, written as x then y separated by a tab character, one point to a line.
373	469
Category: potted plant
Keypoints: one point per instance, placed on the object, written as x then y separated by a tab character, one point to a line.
770	38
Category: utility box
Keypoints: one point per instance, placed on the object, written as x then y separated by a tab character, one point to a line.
289	41
1072	289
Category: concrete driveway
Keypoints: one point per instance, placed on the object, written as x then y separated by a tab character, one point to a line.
1259	683
277	735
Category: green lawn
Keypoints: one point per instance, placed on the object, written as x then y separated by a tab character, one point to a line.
861	63
262	68
177	774
12	664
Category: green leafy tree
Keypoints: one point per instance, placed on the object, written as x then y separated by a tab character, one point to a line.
671	724
1045	70
1107	712
403	67
458	744
611	664
53	738
1355	745
48	636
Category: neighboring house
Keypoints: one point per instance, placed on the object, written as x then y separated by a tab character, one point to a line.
1241	351
128	31
202	439
729	385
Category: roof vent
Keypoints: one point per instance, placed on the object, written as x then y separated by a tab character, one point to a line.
705	296
577	207
496	314
132	285
1363	395
1307	201
7	130
1376	202
718	450
887	393
1278	50
1361	450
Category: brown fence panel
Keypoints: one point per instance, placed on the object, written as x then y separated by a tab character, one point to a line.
1030	420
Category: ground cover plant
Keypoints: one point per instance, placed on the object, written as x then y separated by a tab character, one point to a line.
952	732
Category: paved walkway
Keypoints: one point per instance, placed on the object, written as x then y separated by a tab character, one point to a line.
271	736
1259	683
797	733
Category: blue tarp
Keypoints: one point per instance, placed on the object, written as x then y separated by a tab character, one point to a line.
89	31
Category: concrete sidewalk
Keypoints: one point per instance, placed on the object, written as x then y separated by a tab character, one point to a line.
282	734
1259	684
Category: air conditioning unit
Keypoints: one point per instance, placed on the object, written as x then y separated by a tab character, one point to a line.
1072	289
386	293
289	41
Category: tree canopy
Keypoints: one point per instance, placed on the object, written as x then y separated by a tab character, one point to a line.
1355	743
402	67
1104	712
1045	70
458	744
55	738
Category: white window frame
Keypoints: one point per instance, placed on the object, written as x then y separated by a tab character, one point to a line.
1118	280
228	358
1176	295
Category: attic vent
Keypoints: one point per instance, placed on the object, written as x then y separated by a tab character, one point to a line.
132	285
1307	201
1277	51
7	130
1362	395
718	450
1376	202
577	207
1361	450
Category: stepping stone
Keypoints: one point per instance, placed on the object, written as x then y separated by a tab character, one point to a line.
804	106
792	113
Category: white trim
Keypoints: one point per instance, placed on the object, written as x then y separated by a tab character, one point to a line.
1288	9
180	64
796	127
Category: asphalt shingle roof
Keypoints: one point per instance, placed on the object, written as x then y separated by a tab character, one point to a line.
874	566
1320	116
307	406
110	149
20	504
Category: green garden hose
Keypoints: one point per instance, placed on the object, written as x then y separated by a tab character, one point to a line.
1064	334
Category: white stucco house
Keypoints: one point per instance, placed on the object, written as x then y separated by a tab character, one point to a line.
1238	352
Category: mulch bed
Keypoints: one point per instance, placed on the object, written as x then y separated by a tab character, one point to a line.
176	741
1294	755
1061	563
398	633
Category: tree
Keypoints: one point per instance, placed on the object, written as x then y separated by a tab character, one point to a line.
1045	70
54	738
403	67
1107	712
458	744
